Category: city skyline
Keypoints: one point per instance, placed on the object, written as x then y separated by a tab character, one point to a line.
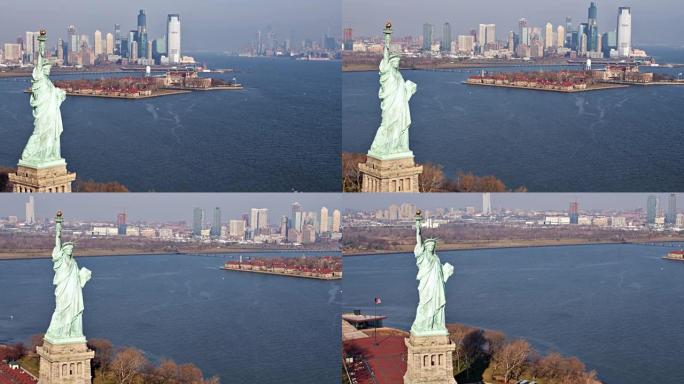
528	201
155	207
652	25
207	26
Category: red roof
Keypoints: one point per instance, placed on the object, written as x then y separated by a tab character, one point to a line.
386	359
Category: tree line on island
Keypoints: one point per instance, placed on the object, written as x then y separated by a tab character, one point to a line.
111	365
432	179
491	356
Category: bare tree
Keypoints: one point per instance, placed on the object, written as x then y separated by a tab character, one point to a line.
36	341
127	364
511	359
432	179
103	353
351	175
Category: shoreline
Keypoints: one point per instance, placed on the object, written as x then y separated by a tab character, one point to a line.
46	254
596	88
490	246
283	274
430	67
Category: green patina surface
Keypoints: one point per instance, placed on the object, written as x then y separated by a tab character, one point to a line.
43	147
432	276
392	138
66	325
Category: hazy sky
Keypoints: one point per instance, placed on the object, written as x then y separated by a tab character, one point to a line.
539	201
653	21
215	25
164	206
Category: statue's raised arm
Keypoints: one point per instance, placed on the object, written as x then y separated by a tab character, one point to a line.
58	230
388	41
38	71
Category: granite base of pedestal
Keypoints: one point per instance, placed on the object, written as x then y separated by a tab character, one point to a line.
64	363
393	175
429	360
51	179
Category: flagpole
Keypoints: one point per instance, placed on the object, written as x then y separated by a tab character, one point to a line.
375	321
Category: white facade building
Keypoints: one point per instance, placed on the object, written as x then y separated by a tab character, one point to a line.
173	38
624	31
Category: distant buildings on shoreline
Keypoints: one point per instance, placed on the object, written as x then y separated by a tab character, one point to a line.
138	47
299	228
583	40
654	218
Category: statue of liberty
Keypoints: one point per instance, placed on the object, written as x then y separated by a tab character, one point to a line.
66	325
392	137
43	147
432	275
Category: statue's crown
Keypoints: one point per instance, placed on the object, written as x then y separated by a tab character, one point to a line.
431	240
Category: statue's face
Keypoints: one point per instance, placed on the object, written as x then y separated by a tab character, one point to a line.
394	62
46	70
69	249
430	247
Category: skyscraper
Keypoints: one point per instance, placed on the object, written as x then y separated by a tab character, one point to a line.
651	209
237	229
574	215
486	204
283	226
74	45
173	38
142	34
98	43
197	221
548	36
109	44
296	216
30	211
523	32
445	45
121	224
336	219
259	219
30	46
117	39
592	31
347	39
427	37
671	217
624	31
560	36
324	220
568	32
486	35
216	223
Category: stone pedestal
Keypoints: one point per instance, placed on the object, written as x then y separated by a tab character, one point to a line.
65	363
429	360
390	175
53	178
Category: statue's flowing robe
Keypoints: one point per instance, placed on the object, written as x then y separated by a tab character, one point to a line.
67	320
395	93
431	276
43	145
